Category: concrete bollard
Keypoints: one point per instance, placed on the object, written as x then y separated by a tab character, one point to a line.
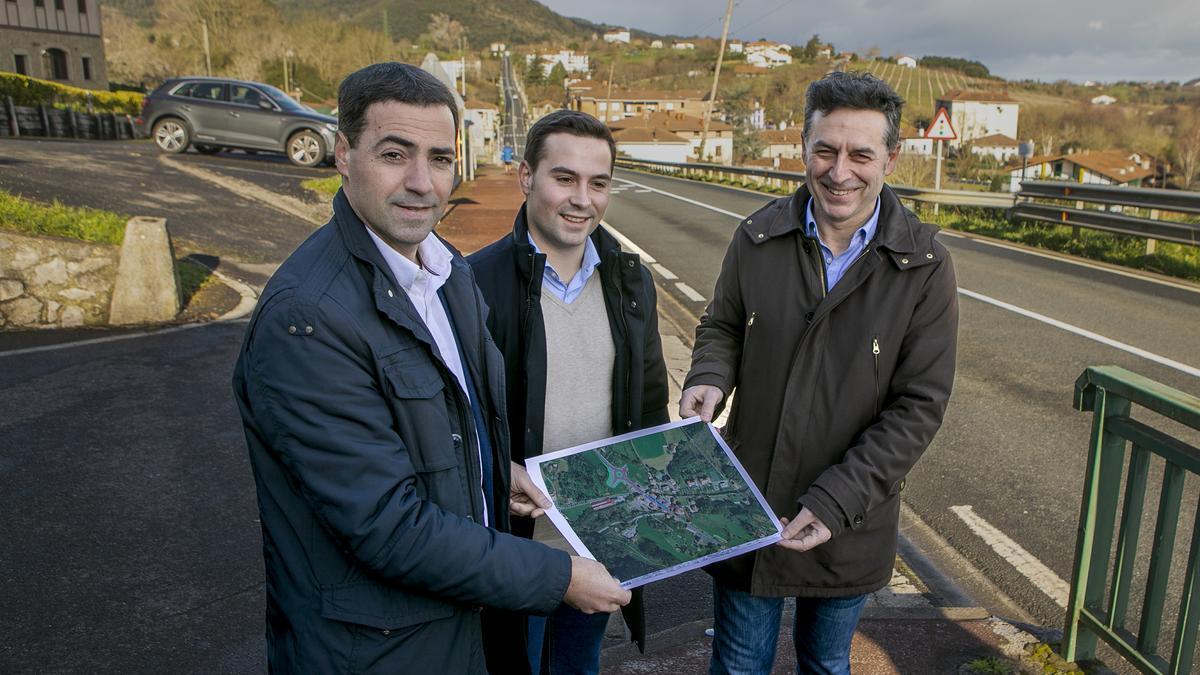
147	287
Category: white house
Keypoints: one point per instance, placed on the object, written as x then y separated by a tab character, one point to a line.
484	119
735	47
683	45
913	142
572	62
997	146
717	150
907	62
786	143
975	114
656	44
1103	99
498	48
654	143
1108	167
768	58
621	35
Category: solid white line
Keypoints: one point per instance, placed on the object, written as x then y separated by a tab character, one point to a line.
641	191
1071	261
627	243
683	199
1151	356
97	341
1041	576
668	274
689	292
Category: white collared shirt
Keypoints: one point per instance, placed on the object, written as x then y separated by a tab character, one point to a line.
421	284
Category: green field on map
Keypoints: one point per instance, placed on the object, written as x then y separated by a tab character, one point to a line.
656	501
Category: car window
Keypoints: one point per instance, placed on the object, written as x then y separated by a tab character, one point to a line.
212	91
282	100
184	89
240	93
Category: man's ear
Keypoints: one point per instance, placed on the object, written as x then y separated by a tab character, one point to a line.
525	177
892	157
341	150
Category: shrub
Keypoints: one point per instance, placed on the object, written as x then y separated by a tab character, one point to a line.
30	91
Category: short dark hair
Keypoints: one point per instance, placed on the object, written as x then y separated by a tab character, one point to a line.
389	81
565	122
857	91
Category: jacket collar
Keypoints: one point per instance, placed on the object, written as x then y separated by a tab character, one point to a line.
529	261
785	216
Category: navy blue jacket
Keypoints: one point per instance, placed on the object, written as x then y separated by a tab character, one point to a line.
363	451
510	274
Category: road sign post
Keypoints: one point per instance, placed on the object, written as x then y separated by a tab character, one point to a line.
941	130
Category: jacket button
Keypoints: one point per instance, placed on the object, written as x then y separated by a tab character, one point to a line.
750	221
456	439
904	261
761	235
929	255
633	304
390	294
386	632
808	317
631	263
308	330
291	330
858	520
628	424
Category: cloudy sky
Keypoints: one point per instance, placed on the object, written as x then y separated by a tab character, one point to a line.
1102	40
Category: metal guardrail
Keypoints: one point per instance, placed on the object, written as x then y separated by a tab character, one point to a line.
1109	393
792	179
1111	198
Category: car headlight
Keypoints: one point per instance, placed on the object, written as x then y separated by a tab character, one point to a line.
331	127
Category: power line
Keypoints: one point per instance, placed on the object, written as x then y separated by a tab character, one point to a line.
760	17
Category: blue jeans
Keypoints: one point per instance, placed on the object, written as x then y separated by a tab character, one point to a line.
566	643
746	632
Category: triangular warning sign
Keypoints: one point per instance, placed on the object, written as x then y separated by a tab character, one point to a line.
941	129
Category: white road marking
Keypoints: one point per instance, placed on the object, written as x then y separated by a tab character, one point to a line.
1150	356
668	274
689	292
628	244
111	338
643	190
702	205
1072	261
1030	567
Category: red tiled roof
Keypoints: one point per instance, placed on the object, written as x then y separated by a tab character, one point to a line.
794	164
648	135
996	141
773	136
675	121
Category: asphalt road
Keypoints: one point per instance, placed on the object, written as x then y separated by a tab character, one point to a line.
1011	447
132	178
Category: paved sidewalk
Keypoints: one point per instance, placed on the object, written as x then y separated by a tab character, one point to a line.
911	626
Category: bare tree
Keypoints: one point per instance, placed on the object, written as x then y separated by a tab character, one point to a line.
444	33
1187	145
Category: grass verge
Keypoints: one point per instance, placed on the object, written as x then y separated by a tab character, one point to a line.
192	277
56	220
324	186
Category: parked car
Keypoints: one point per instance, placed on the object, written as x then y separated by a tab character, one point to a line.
212	113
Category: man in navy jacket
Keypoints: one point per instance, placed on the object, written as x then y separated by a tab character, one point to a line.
373	404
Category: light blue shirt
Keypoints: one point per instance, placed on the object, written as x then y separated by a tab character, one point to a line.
567	292
836	265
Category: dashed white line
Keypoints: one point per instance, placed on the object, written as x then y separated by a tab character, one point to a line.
1117	344
667	274
689	292
1030	567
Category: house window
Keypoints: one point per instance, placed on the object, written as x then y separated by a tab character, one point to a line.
39	3
54	64
21	64
718	151
83	7
60	5
87	67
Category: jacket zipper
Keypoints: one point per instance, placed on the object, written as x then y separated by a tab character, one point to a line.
629	344
875	352
750	325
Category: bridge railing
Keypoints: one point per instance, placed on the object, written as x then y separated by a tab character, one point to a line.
1112	201
1099	605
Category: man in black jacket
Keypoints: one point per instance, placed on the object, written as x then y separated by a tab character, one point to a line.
575	319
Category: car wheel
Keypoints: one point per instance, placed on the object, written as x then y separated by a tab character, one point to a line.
305	148
171	135
207	149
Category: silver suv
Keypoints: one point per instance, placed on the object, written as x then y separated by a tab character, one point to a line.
213	113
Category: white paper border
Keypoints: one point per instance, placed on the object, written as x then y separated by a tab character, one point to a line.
534	466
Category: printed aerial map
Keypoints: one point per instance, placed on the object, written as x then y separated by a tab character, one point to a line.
655	502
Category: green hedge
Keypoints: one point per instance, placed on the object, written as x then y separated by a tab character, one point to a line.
30	91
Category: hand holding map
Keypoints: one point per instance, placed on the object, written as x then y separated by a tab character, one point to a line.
655	503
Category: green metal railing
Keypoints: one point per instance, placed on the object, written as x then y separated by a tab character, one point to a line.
1109	393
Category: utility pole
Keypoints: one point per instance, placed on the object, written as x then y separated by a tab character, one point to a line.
207	54
608	97
387	28
712	97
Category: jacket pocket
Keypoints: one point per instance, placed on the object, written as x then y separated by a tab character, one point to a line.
421	414
376	606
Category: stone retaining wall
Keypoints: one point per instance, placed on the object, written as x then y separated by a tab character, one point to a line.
47	282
